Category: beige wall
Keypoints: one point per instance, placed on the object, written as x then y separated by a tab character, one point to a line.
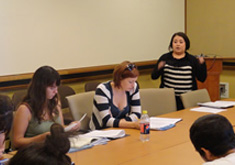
211	29
71	34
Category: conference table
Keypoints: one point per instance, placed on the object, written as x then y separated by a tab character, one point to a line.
170	147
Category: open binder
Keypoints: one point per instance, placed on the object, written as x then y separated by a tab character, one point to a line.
218	104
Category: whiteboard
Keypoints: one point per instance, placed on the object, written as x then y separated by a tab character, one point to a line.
67	34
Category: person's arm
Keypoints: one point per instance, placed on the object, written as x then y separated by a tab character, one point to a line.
20	125
158	69
129	124
201	71
134	103
102	106
132	121
2	144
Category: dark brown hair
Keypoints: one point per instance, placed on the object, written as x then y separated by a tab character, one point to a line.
184	36
124	70
44	77
213	132
51	152
6	114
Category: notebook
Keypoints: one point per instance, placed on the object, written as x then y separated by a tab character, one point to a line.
218	104
112	134
161	123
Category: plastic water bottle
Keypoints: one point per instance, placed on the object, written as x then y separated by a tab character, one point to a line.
144	127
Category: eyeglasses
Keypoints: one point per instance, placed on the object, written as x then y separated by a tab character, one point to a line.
130	67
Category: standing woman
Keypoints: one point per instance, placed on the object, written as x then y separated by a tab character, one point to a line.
178	69
39	109
117	102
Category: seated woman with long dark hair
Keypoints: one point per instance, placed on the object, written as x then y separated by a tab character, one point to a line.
39	109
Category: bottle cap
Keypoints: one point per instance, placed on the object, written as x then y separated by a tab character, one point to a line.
145	111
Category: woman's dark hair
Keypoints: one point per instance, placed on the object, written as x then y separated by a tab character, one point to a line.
6	114
44	77
51	152
124	70
214	133
184	36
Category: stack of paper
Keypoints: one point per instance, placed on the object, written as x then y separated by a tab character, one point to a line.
78	143
218	104
230	102
97	137
207	109
160	123
112	134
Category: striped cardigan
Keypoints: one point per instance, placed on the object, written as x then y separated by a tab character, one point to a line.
180	74
105	113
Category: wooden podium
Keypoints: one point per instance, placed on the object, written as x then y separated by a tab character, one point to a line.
214	68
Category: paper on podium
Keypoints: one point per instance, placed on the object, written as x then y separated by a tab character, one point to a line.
160	123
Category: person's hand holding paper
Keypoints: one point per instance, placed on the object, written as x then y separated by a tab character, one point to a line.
74	126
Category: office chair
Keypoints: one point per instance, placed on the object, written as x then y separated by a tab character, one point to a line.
80	104
65	91
91	86
18	97
190	99
158	101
